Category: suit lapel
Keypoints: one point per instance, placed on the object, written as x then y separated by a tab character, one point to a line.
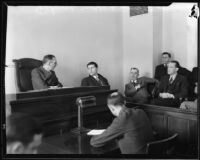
176	79
94	81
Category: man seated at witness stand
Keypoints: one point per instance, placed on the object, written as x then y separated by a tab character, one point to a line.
172	88
44	77
136	89
190	105
94	79
23	134
161	70
131	127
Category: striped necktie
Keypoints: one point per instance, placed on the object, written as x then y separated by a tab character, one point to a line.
98	80
170	80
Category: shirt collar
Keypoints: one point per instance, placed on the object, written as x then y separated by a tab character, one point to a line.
134	81
96	76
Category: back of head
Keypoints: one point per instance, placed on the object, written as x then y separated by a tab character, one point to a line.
21	128
47	58
116	99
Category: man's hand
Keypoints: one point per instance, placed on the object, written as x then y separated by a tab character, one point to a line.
138	86
54	87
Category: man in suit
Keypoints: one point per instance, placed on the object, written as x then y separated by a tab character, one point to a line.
44	77
161	70
94	79
136	89
194	75
23	134
193	80
131	127
172	88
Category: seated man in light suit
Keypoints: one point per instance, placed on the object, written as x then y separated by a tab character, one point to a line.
136	89
172	88
44	76
23	134
94	79
131	127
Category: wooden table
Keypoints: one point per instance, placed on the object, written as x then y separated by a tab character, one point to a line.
70	143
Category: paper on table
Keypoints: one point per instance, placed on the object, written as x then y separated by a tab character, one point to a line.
95	132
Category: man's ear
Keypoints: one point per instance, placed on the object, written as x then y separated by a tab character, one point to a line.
17	148
177	69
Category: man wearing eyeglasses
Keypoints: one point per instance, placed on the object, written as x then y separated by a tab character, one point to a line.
44	77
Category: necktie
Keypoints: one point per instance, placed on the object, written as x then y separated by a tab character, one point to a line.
170	80
99	81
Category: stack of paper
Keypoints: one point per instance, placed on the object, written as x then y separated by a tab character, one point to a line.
95	132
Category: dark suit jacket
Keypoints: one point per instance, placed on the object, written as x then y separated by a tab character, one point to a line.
194	75
42	79
184	72
179	87
131	128
91	81
160	71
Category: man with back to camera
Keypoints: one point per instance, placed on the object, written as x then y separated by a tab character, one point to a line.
131	127
23	134
161	70
172	88
44	77
94	79
136	89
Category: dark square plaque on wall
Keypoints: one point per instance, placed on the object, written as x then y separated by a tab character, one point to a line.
137	10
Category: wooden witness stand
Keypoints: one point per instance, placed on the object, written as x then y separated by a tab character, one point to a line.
57	108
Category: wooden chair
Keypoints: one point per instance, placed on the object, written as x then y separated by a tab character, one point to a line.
24	66
162	147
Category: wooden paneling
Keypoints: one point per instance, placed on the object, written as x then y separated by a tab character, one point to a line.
167	121
178	125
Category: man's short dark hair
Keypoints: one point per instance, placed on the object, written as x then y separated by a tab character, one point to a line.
21	127
93	63
116	98
167	53
47	58
134	68
177	65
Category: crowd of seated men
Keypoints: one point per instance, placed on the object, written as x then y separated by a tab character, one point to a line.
172	83
175	86
178	81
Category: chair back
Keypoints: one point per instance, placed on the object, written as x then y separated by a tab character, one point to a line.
152	89
162	147
24	66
